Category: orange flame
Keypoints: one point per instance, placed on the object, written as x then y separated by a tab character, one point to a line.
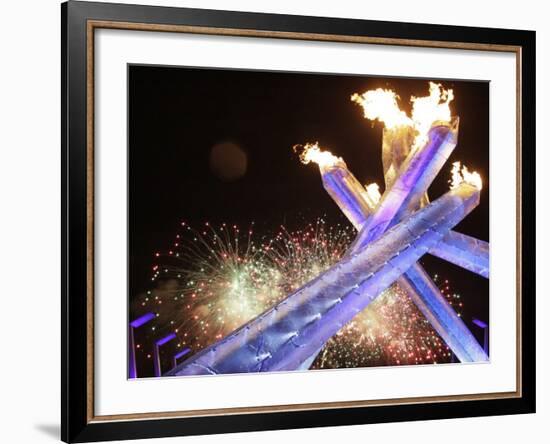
429	109
373	192
311	152
460	174
381	104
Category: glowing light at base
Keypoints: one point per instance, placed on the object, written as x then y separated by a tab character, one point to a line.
212	281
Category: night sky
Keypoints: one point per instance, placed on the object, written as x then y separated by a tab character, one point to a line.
177	115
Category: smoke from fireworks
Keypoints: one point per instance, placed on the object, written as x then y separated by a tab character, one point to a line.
212	281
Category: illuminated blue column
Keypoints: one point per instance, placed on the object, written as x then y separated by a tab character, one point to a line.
156	352
416	283
462	250
288	334
442	316
347	192
459	249
465	251
415	176
485	329
136	323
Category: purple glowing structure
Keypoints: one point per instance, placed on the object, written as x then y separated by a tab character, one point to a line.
350	196
156	352
465	251
136	323
368	217
180	355
291	332
393	233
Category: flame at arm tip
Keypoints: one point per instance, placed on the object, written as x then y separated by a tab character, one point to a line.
311	152
461	174
381	104
429	109
373	192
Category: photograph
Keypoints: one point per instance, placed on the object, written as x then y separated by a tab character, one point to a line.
295	221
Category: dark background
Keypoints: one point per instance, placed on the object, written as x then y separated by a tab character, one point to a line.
176	116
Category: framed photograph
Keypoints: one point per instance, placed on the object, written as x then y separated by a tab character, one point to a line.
276	221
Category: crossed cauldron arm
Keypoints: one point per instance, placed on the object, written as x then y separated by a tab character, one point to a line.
393	234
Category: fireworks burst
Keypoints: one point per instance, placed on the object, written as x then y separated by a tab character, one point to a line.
214	280
391	331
